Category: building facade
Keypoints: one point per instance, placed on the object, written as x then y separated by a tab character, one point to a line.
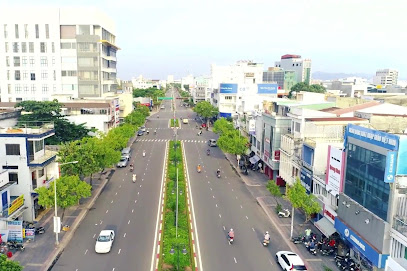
386	77
63	51
302	67
285	79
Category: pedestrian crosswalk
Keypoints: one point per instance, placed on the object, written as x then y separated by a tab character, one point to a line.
166	140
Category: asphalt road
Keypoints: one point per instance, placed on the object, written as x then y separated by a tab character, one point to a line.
126	207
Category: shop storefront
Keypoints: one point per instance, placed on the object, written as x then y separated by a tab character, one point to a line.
360	250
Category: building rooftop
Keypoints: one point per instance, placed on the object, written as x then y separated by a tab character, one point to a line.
288	56
354	108
338	119
29	128
385	108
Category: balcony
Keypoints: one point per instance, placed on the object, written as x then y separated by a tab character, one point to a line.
400	225
43	160
29	128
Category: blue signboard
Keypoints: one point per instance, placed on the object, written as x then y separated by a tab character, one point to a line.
369	252
267	88
402	157
228	88
390	171
308	156
225	115
374	137
306	180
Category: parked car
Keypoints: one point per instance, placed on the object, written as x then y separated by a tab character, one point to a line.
105	241
140	133
123	162
203	125
143	128
212	143
185	121
290	261
126	152
162	107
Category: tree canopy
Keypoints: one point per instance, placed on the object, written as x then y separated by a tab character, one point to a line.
222	125
232	142
206	110
9	265
47	111
70	189
274	189
308	88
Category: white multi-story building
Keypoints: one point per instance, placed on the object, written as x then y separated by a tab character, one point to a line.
140	82
200	88
386	77
64	51
302	67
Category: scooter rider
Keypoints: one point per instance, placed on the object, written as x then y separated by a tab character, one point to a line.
198	168
231	234
134	177
208	152
131	167
267	236
155	131
218	172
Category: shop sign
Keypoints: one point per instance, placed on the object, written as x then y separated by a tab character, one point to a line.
17	203
15	230
306	180
335	172
378	138
266	153
252	127
357	242
267	140
249	74
329	214
277	155
390	171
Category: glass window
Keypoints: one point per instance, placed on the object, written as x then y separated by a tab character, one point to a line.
53	47
32	75
6	46
12	149
47	31
364	181
24	61
38	145
13	177
7	61
31	47
26	30
5	31
24	47
37	32
8	75
17	75
16	31
32	61
15	47
43	47
16	61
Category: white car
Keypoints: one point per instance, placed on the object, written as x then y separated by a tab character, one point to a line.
105	241
290	261
143	128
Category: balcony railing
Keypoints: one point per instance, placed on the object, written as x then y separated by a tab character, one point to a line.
29	127
400	225
48	155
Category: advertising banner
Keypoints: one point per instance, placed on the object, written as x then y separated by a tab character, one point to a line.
335	172
29	233
375	137
402	156
228	88
306	180
15	230
329	214
369	252
277	155
390	171
252	127
17	203
4	235
267	88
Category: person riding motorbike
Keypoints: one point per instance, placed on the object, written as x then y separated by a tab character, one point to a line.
155	131
218	172
131	167
231	234
198	168
208	151
267	236
134	177
148	132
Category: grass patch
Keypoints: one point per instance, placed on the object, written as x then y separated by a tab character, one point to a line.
170	241
174	123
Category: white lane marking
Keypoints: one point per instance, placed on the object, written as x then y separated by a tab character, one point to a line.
220	215
116	193
86	252
236	197
228	182
76	269
213	196
111	201
120	186
210	188
135	201
113	269
119	251
224	228
154	256
138	193
100	222
253	229
241	207
192	211
140	185
270	262
128	222
107	211
216	205
123	179
235	259
247	217
232	189
132	210
124	235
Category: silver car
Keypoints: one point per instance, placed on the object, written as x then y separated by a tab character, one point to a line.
123	162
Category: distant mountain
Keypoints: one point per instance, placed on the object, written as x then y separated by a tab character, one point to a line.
339	75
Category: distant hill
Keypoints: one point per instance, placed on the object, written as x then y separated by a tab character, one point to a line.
332	76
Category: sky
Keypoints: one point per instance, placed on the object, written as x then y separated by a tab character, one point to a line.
180	37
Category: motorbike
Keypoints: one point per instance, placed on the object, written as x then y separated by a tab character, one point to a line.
144	154
327	252
313	251
266	242
284	213
218	174
134	178
148	132
298	239
39	230
198	169
13	245
131	168
208	153
231	240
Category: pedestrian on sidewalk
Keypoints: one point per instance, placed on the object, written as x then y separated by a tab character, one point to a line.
308	233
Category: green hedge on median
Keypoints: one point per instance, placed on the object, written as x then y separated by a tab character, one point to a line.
174	121
170	261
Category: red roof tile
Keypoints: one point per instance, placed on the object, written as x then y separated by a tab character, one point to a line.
354	108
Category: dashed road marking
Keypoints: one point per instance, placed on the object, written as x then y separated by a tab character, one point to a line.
235	259
124	235
107	211
119	251
86	252
128	222
247	217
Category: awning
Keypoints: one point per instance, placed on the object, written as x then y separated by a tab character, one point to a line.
325	226
254	159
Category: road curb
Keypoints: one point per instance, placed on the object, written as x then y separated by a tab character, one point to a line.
50	262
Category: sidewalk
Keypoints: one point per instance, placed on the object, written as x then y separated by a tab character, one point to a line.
41	254
258	181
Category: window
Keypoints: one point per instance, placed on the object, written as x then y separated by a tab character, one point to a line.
16	61
24	61
17	75
65	45
54	88
25	89
26	30
228	97
41	173
43	47
44	89
12	149
9	88
17	89
53	47
5	31
38	145
33	89
55	75
32	75
68	73
44	75
16	30
53	61
7	61
8	75
37	32
47	31
25	75
13	177
31	47
24	47
15	47
32	61
44	61
6	47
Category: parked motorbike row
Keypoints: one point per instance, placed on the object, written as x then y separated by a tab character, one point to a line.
325	246
346	263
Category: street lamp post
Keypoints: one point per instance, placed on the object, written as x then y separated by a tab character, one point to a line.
56	229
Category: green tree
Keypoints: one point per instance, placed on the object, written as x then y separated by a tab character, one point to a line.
296	194
222	125
143	110
274	190
36	112
206	110
231	142
70	189
310	207
9	265
135	118
317	88
305	87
